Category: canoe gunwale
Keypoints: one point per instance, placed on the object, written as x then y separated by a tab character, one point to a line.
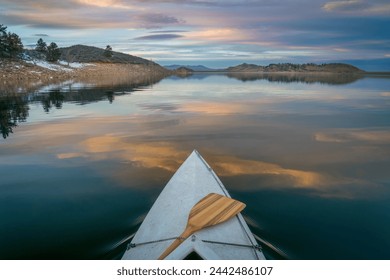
224	190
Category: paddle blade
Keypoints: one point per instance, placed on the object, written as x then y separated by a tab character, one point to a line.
213	209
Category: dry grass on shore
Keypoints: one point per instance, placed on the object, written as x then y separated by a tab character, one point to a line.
18	76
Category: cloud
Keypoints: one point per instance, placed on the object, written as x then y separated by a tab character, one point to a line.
107	3
353	6
158	18
84	14
214	3
85	18
218	34
27	5
51	20
380	9
159	37
209	34
349	5
168	31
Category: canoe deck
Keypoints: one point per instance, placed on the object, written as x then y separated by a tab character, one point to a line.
167	219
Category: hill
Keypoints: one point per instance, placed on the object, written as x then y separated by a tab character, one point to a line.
86	54
289	67
183	71
192	67
82	63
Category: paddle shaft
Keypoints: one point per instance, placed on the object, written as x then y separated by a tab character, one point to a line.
186	233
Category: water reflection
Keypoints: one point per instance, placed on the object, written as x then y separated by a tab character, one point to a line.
90	89
55	98
13	109
79	94
159	144
168	156
373	136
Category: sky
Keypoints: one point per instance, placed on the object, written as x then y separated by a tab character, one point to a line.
214	33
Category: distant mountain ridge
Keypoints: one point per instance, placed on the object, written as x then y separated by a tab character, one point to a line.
289	67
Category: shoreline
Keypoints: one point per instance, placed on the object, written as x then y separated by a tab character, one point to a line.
18	76
287	72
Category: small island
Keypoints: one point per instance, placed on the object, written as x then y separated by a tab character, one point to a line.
301	68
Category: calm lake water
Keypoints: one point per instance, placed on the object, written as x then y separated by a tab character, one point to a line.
80	165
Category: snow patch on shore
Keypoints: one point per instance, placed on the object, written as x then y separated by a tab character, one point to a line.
60	66
75	65
51	66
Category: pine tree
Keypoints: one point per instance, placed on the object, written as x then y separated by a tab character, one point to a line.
53	52
15	45
108	51
41	46
10	43
3	29
3	39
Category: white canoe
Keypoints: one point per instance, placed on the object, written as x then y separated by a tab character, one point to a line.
168	216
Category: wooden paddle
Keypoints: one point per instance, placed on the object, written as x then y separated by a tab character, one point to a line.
211	210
